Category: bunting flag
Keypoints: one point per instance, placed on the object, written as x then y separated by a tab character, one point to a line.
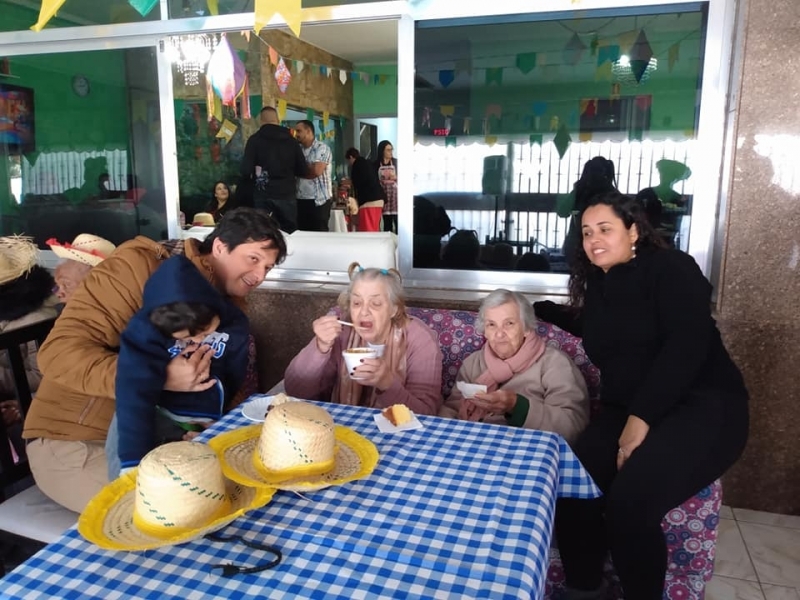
213	9
626	40
290	10
585	136
607	53
640	55
325	118
448	122
343	76
604	72
281	109
246	34
282	76
450	140
226	131
674	54
494	110
300	65
490	140
526	62
573	51
554	121
323	70
494	75
446	77
309	114
616	90
535	139
47	11
447	110
562	141
467	121
143	7
273	56
382	78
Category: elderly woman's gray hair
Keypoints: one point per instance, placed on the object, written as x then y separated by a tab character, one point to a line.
500	297
391	279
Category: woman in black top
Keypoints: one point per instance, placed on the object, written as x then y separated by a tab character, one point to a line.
674	411
221	202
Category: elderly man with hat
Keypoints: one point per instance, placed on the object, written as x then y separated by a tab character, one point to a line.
68	423
85	251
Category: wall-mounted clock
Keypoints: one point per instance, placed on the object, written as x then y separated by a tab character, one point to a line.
80	85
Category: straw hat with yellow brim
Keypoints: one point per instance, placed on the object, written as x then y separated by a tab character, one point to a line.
313	453
17	257
177	494
85	248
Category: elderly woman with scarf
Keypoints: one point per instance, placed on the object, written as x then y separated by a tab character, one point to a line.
528	384
409	370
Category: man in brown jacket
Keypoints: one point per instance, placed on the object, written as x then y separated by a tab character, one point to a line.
70	415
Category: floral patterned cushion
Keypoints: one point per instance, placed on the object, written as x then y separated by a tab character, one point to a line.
690	529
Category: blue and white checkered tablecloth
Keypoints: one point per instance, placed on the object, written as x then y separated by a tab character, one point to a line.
453	510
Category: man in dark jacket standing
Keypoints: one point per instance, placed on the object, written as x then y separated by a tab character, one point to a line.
273	159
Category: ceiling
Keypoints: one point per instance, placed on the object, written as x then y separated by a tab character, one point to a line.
368	43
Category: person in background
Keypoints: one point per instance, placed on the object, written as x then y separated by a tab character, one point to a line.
221	201
315	190
386	166
68	423
273	159
529	384
79	257
409	371
369	192
674	413
26	297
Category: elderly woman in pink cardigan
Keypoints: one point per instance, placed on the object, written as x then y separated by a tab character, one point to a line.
409	371
528	384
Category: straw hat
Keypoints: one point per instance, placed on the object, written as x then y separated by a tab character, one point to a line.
297	448
203	219
177	494
17	257
86	248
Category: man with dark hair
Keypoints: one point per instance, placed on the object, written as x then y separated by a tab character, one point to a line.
368	190
69	418
273	159
315	191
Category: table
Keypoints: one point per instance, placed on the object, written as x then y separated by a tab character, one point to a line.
453	510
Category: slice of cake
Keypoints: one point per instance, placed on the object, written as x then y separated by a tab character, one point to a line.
397	414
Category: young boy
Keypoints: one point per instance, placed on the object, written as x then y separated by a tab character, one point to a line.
181	312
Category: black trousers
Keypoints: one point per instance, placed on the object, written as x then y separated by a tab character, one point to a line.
311	217
390	223
687	450
283	210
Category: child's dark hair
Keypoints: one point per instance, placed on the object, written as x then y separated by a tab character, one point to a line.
171	318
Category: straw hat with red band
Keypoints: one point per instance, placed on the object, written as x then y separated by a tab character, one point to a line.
86	248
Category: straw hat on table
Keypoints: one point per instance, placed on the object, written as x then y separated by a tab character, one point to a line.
17	257
298	448
86	248
177	494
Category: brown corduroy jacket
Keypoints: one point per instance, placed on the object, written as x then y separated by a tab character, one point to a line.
78	361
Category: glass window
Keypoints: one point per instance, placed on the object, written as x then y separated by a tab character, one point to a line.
19	16
200	8
509	111
80	147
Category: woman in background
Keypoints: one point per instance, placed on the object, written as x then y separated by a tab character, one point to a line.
221	202
386	165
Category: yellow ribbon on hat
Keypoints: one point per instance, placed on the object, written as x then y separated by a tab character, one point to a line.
167	531
318	468
290	10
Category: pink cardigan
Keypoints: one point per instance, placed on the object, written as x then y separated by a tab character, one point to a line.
311	375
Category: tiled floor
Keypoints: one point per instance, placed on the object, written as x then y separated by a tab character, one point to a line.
758	557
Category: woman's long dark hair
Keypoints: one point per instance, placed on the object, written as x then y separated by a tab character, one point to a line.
632	213
381	148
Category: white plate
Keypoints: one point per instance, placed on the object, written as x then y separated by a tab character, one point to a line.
256	409
385	425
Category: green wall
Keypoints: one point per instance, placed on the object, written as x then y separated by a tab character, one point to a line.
376	99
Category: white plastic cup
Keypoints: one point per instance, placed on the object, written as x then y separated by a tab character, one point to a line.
354	356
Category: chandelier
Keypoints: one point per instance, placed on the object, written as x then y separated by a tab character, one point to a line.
190	53
623	72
